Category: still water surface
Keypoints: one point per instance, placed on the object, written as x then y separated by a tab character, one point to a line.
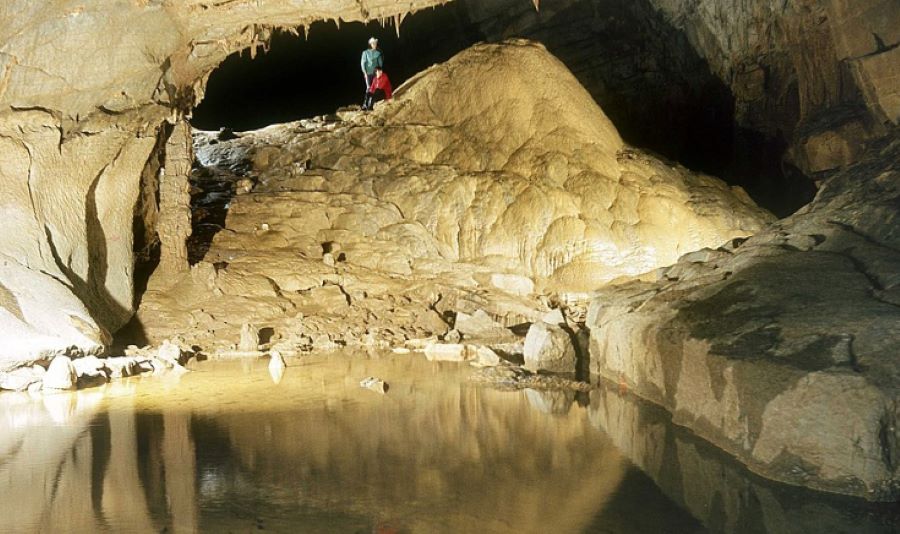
224	449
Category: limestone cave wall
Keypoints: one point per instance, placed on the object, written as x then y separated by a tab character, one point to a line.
768	95
84	88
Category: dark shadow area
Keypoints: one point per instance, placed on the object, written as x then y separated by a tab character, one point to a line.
649	80
314	75
212	191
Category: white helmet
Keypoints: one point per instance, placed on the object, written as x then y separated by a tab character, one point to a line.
373	40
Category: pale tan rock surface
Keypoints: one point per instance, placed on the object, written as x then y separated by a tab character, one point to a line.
41	318
415	215
784	351
84	89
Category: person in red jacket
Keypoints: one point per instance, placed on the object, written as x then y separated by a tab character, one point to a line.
378	90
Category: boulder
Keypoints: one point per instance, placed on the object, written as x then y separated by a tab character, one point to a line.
513	283
170	353
555	317
122	367
485	357
61	374
20	379
449	352
549	348
89	366
479	325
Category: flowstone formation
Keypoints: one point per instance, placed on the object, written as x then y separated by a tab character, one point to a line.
379	229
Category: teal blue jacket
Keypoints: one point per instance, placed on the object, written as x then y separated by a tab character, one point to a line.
370	60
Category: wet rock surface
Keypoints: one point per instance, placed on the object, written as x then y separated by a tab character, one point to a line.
380	228
781	349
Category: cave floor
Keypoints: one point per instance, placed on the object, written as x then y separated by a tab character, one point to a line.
317	452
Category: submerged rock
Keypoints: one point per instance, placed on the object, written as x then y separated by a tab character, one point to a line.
549	347
448	352
374	384
276	366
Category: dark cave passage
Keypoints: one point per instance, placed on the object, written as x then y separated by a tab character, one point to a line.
641	70
305	76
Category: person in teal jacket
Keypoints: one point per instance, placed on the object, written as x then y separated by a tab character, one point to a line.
371	59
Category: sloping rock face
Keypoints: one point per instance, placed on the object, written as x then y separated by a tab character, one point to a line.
84	87
495	163
783	349
40	318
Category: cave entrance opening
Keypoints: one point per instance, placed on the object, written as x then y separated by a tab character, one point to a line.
317	71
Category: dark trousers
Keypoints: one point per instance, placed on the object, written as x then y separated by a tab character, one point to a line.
371	98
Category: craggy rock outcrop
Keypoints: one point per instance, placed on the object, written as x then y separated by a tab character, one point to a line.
364	229
81	102
818	75
783	349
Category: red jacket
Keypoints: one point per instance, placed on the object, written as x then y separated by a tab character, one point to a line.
381	82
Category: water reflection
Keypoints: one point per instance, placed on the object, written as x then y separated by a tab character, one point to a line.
225	449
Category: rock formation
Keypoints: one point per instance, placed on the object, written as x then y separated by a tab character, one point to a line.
782	349
766	93
81	105
367	230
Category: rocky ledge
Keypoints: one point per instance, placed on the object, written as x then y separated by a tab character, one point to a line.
782	349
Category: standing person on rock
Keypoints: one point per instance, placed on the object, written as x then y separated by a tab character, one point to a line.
372	59
380	89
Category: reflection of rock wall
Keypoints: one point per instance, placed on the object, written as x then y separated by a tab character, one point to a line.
445	457
68	466
710	485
